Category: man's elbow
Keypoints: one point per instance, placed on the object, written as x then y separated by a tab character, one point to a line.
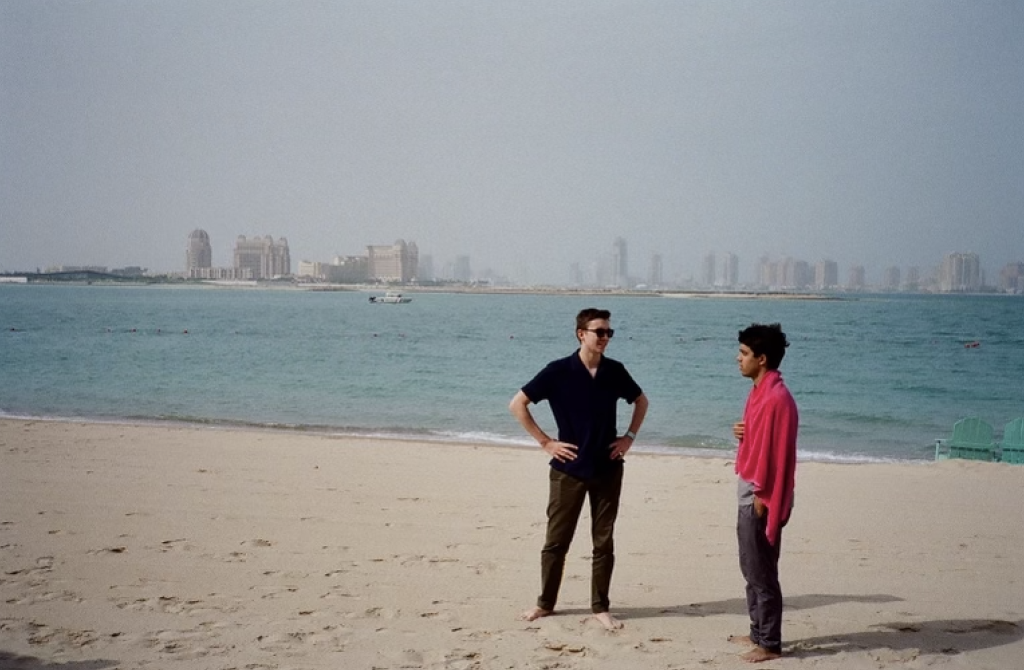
518	404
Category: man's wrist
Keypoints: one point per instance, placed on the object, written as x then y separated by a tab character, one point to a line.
631	435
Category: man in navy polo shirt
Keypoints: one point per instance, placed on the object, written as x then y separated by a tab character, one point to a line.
586	459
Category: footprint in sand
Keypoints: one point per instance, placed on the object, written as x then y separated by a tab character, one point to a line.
43	564
381	613
329	637
174	605
186	644
108	550
41	634
565	649
407	658
48	596
462	659
336	592
179	544
258	543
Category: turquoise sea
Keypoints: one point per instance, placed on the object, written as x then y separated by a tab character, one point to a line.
877	377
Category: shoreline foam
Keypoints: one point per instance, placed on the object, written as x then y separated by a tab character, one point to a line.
439	437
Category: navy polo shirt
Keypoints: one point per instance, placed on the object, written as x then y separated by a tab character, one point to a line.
584	408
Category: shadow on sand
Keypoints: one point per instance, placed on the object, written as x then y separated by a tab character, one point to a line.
738	606
9	661
906	639
947	636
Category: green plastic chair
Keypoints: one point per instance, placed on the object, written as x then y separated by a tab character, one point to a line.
1012	447
972	440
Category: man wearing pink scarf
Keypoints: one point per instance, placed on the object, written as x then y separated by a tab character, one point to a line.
766	466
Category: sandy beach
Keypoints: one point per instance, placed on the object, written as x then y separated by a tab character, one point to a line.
170	547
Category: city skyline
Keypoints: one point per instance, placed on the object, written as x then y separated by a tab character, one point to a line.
263	257
525	137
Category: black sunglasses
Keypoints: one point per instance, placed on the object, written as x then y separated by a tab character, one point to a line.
601	332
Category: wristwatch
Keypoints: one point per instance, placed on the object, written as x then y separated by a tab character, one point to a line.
630	434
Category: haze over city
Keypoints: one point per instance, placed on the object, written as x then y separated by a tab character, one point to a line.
525	135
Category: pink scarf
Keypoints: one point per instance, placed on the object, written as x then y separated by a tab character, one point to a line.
766	456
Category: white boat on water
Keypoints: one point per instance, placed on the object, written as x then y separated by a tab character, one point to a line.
390	298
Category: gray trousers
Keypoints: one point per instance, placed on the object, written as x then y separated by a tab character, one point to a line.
565	502
759	563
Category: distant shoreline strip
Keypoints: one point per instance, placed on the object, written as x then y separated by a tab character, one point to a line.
412	435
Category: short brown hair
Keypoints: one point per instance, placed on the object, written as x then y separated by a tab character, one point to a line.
589	314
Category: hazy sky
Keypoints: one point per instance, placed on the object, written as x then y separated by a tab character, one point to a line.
527	135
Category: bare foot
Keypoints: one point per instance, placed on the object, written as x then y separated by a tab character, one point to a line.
758	655
535	613
743	640
607	620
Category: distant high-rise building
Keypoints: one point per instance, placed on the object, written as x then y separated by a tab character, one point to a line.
767	273
620	263
262	257
603	271
731	271
913	279
398	262
826	275
857	279
657	275
311	269
1011	278
342	270
129	271
198	254
891	278
425	272
348	270
707	270
961	272
788	273
796	274
462	271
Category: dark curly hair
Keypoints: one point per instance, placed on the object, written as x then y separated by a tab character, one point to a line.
767	340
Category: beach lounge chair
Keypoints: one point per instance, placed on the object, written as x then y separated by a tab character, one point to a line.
1012	446
972	439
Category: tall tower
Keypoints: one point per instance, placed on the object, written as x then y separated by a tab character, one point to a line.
425	269
657	277
857	278
707	272
768	273
462	271
198	254
731	270
620	263
826	274
961	272
891	278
